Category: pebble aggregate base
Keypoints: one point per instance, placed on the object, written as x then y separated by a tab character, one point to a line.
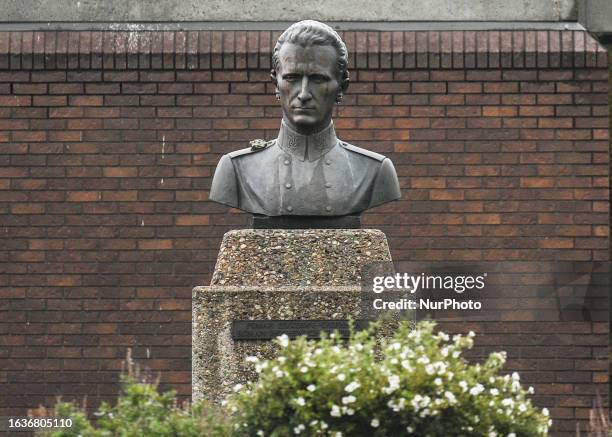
274	275
298	257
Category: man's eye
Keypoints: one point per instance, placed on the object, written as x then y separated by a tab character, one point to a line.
290	78
319	79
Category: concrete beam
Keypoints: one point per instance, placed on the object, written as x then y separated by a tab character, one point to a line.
596	16
286	10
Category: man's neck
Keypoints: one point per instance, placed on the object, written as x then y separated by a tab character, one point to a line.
307	146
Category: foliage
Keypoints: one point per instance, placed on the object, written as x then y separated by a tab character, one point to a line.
419	385
141	411
599	421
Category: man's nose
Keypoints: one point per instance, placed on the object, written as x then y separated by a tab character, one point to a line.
304	90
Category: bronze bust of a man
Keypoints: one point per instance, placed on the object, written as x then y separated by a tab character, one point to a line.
307	170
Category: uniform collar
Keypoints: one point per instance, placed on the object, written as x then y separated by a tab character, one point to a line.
307	147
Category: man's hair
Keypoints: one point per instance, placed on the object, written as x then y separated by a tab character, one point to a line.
310	32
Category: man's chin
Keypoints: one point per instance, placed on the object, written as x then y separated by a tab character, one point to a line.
305	123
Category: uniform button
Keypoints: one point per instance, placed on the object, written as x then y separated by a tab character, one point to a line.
327	185
286	162
328	208
328	162
290	208
287	185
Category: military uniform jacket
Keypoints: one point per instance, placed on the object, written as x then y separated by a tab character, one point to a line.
304	175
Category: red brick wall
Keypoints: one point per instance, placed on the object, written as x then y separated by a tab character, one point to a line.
109	141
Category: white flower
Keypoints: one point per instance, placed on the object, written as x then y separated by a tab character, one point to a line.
397	406
311	388
237	387
375	423
451	397
350	411
508	402
410	429
279	373
463	385
522	408
348	399
494	391
511	435
283	340
338	434
440	366
545	412
430	369
260	366
252	359
476	390
260	433
438	381
516	376
298	429
300	401
352	386
335	411
341	376
394	381
303	369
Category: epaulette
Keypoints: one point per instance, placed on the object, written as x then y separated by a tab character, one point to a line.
256	146
365	152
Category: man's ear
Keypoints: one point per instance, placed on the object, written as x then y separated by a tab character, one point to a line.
345	82
274	77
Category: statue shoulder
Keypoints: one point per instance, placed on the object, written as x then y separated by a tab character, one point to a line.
255	146
364	152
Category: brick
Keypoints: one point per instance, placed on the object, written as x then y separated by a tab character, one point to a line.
464	87
556	243
536	111
85	100
83	196
155	244
15	100
499	111
484	219
427	87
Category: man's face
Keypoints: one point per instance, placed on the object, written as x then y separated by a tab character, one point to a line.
307	81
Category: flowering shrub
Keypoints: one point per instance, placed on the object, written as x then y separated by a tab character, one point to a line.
141	411
419	385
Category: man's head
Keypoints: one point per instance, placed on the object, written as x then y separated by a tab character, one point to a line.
310	73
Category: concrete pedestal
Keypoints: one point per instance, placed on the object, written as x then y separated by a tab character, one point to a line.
275	275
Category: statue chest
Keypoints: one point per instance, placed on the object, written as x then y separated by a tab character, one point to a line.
281	184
